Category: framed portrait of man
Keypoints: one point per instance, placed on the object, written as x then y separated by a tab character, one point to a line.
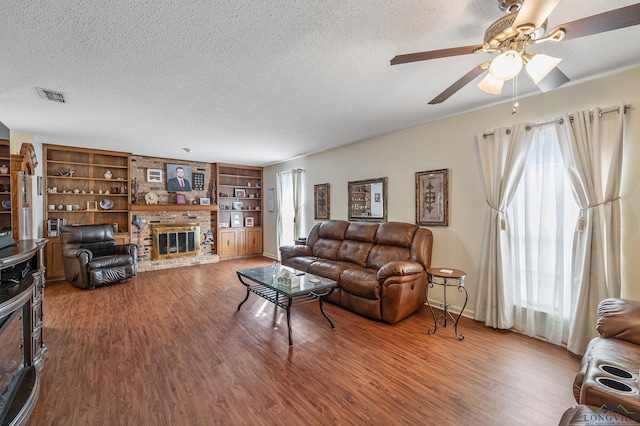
178	178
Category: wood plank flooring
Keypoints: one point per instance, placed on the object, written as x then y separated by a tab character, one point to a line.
169	348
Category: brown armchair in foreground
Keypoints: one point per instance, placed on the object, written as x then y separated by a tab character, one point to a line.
92	258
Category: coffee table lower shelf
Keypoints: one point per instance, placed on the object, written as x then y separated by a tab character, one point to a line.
285	300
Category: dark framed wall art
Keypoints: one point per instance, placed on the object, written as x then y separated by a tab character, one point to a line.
321	205
432	198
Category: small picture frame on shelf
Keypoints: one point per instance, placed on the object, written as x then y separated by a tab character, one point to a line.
205	201
237	205
92	205
236	220
248	221
240	193
154	175
181	199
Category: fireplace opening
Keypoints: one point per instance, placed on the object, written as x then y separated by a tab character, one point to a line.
175	240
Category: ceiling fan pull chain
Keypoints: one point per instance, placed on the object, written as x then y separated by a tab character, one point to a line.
515	95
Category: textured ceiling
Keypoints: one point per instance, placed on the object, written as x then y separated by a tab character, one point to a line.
256	82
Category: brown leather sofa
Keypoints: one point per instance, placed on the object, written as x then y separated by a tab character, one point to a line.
92	258
380	267
606	386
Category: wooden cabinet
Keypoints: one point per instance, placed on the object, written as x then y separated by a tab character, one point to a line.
235	242
84	186
53	256
5	188
239	195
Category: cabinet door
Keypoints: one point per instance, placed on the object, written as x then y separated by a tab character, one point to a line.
53	260
254	241
227	242
122	238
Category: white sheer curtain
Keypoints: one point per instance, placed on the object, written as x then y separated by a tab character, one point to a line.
289	204
502	158
591	145
296	177
542	220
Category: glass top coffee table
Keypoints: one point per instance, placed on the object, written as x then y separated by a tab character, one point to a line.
301	288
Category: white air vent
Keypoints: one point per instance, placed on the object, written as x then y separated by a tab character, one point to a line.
51	95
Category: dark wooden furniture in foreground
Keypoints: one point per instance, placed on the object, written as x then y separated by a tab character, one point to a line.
265	282
22	347
447	278
168	349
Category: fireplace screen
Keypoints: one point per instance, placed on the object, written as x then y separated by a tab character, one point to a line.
175	240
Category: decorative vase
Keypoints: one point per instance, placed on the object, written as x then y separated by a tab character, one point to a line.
108	174
4	169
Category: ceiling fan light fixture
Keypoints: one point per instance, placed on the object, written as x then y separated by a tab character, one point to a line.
491	85
539	65
506	65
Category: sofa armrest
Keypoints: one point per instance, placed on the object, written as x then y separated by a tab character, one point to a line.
619	319
288	252
399	268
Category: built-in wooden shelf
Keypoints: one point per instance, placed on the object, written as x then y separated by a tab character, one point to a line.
173	207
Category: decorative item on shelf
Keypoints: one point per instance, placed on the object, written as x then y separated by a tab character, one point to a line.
66	174
135	194
239	193
248	221
76	191
213	193
4	169
6	204
205	201
115	190
257	184
91	206
194	202
106	204
151	198
181	199
249	184
108	174
238	205
53	190
123	189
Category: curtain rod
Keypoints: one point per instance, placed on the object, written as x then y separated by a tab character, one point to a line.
560	120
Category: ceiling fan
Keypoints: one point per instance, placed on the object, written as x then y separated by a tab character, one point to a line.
509	37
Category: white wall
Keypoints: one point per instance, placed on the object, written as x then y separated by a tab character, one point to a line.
450	144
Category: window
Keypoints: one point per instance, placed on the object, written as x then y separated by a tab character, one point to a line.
542	217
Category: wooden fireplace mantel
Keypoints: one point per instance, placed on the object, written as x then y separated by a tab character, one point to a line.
173	207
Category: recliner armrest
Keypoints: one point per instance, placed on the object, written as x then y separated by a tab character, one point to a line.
130	249
399	268
619	319
77	252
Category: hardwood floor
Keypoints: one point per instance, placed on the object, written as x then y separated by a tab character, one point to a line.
169	348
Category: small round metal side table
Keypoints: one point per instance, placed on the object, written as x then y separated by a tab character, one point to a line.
446	278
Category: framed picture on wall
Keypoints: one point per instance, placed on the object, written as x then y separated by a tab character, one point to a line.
321	204
178	178
432	198
154	175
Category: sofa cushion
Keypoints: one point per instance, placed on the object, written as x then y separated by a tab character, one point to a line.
381	255
360	282
301	263
360	231
333	229
354	251
328	269
396	234
619	319
326	249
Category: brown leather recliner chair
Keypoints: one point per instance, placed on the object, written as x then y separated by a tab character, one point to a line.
92	258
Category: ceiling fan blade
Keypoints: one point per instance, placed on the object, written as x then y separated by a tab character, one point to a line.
533	13
603	22
434	54
466	79
553	80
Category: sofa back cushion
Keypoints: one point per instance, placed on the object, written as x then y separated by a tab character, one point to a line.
358	240
393	242
330	236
